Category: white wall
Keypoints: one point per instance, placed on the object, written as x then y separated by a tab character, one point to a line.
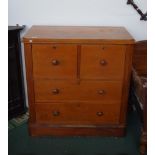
77	12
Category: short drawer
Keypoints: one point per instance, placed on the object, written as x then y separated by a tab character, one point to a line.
60	90
77	114
102	62
54	61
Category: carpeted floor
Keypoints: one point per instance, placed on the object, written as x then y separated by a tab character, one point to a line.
20	143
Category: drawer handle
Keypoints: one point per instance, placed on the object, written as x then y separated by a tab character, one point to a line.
101	92
99	113
56	113
103	62
54	47
103	48
55	91
55	62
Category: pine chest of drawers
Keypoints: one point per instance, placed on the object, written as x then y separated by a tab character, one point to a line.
78	80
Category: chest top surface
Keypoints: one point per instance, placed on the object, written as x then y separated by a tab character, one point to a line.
78	34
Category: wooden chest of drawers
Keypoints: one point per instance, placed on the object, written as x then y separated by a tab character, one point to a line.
78	79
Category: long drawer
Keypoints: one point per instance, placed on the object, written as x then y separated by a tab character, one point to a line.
77	114
61	90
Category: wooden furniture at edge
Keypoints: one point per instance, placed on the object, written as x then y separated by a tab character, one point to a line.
139	88
16	93
78	80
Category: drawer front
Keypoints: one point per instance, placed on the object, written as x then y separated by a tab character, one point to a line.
54	61
77	114
57	90
102	61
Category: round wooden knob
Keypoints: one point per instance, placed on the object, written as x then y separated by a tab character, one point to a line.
55	91
55	62
100	113
103	62
54	47
101	92
56	113
103	48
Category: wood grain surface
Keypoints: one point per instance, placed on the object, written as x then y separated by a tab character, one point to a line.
78	79
78	34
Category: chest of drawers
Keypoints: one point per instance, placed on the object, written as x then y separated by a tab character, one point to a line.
78	79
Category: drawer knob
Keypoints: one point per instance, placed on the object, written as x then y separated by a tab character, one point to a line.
55	91
56	113
55	62
103	48
54	47
101	92
100	113
103	62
